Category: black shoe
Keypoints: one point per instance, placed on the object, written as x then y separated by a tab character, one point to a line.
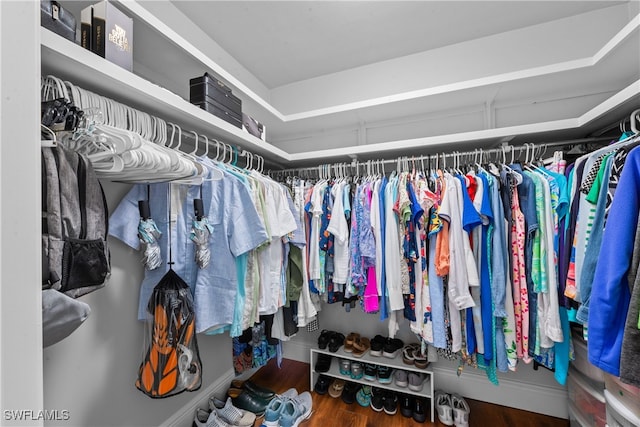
407	405
323	339
244	400
390	403
322	384
384	374
335	342
392	347
377	399
349	392
377	344
323	364
254	389
420	411
370	371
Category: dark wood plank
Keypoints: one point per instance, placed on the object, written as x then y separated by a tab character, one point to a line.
330	412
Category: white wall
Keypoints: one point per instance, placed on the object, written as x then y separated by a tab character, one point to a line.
20	218
92	373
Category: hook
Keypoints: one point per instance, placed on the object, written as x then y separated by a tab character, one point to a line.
195	136
206	145
179	137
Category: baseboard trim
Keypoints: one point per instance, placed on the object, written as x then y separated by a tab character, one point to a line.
552	401
184	416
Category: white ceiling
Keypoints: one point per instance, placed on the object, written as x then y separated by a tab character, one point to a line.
281	42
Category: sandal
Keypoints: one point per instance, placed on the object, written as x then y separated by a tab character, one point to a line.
335	342
420	360
336	388
323	339
408	354
361	346
349	341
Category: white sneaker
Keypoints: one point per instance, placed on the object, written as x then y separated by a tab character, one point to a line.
444	408
296	410
206	419
230	414
460	410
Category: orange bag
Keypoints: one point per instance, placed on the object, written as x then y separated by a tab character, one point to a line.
171	362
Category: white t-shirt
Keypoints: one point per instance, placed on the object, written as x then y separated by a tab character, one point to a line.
392	259
271	257
314	236
340	229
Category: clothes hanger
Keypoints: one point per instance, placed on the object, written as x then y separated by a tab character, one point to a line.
48	142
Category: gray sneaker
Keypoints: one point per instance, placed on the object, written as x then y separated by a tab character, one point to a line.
206	419
230	414
274	410
296	410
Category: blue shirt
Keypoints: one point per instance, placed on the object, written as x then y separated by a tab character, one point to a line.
236	230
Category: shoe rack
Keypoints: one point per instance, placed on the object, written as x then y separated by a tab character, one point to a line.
427	391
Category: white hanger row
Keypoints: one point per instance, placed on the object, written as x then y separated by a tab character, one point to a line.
130	145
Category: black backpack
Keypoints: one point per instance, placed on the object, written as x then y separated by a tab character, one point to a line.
76	257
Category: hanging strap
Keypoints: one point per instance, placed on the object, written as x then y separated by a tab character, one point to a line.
170	263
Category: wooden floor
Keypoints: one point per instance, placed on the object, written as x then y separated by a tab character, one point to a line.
330	412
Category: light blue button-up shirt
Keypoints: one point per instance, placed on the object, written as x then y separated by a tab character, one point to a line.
237	229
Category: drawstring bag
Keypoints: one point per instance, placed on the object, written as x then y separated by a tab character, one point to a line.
171	362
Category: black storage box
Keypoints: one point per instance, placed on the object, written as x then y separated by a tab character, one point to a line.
222	113
214	96
57	19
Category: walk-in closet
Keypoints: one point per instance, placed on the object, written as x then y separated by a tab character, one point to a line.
316	213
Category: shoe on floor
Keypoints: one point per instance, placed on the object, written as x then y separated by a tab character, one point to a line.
336	388
444	408
406	405
243	399
363	396
322	384
349	392
377	399
208	419
272	414
296	410
253	388
390	403
460	410
230	414
420	411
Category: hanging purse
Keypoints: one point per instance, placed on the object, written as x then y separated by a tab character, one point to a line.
58	19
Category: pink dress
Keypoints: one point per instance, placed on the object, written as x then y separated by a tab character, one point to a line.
520	295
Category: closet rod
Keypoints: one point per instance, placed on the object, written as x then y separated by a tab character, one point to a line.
507	149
